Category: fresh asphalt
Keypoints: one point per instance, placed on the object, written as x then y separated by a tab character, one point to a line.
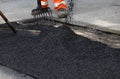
58	53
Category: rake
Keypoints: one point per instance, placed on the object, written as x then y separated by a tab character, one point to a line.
41	15
47	17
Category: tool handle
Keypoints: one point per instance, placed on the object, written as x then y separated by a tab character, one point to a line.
6	20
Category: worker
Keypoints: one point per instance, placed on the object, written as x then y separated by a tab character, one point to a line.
60	6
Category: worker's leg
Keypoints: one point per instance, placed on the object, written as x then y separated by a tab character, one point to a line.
42	7
59	4
44	3
39	4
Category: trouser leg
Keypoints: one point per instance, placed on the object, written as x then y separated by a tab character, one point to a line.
44	3
39	2
59	4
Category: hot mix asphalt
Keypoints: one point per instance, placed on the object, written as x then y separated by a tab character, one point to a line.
58	53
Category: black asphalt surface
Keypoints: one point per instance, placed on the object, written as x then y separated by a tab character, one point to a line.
58	53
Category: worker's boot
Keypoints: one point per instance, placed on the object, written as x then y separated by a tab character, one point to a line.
62	13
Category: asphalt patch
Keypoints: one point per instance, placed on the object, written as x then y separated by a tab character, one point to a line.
58	53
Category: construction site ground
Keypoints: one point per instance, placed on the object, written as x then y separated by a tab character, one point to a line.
90	51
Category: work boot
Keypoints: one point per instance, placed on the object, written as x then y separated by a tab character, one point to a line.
62	13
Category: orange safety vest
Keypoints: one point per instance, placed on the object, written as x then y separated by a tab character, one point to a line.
57	3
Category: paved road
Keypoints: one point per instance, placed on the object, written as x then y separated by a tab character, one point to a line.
102	13
58	53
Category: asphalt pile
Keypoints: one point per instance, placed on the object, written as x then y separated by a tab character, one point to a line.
58	53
